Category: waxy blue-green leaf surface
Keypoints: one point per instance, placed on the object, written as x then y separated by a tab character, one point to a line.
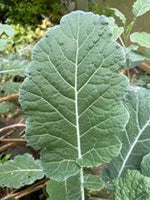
72	96
140	7
133	186
67	190
136	138
23	170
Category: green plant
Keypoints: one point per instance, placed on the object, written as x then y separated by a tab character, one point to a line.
6	32
101	10
134	56
11	67
133	41
74	151
4	158
81	114
12	73
24	168
30	12
26	35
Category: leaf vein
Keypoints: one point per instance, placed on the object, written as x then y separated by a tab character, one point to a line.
42	98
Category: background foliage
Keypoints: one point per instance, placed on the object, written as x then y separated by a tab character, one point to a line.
30	11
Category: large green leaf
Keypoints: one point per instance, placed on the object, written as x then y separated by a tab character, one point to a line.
136	138
142	39
72	96
133	186
23	170
140	7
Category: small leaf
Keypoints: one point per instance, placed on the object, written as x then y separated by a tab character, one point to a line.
136	138
7	29
67	190
145	165
119	14
10	87
13	65
93	182
117	31
4	158
23	170
140	7
133	186
4	28
142	39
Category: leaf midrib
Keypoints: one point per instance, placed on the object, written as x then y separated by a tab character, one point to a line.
76	95
77	113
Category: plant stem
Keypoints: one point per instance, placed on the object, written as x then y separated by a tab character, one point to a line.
12	97
10	145
27	191
7	134
12	140
11	126
145	67
122	42
82	182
